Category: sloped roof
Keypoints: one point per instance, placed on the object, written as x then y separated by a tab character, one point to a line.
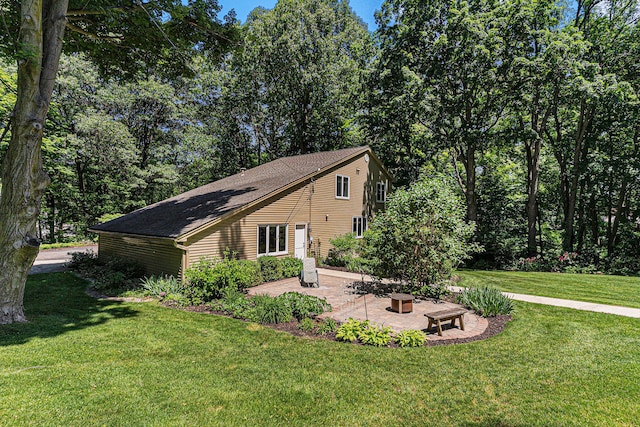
181	214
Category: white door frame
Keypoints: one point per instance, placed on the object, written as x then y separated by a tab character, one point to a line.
295	240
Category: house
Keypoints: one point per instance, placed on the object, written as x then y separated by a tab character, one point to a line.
290	206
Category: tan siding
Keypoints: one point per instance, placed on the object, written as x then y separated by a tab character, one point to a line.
158	256
327	215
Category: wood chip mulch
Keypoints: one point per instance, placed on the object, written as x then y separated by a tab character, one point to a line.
496	325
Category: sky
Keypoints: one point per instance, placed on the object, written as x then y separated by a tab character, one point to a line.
363	8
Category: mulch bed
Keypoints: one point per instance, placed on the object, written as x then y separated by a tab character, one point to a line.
495	326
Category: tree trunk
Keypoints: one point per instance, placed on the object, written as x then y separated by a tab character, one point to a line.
533	177
23	177
472	200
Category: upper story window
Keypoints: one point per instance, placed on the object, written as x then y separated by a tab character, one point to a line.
342	187
381	192
272	239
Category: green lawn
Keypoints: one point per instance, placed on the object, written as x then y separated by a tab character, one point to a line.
82	362
613	290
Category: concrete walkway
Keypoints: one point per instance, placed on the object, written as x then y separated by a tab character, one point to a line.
557	302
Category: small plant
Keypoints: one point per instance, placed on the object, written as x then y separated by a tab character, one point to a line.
351	329
379	336
411	338
305	305
267	309
161	286
327	326
307	324
486	301
270	268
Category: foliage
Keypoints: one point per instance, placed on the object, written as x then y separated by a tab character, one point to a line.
208	278
270	267
270	310
351	329
234	303
295	86
344	250
307	324
486	301
291	266
327	326
379	336
305	305
274	268
421	236
111	275
162	286
410	338
435	291
83	261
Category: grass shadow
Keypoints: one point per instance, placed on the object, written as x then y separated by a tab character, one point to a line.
56	303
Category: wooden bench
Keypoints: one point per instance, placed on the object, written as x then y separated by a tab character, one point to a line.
444	315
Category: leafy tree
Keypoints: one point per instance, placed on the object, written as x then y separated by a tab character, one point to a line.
296	85
444	67
422	234
39	28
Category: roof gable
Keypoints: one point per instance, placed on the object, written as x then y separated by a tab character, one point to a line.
194	209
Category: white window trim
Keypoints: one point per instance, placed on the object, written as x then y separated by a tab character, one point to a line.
364	221
348	187
384	192
286	240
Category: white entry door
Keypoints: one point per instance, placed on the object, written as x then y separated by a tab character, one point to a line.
300	241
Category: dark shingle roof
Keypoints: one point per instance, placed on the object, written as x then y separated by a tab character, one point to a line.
188	211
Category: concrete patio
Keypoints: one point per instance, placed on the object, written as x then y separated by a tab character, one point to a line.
337	288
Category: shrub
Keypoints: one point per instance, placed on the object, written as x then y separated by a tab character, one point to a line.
234	303
421	236
435	291
270	268
304	305
411	338
379	336
162	286
209	277
109	281
327	326
111	275
83	260
268	309
306	324
350	330
344	250
129	269
486	301
290	266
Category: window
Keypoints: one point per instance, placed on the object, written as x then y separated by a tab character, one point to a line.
272	239
359	225
342	187
381	192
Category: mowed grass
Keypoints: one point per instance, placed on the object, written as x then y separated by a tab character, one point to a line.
612	290
81	361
